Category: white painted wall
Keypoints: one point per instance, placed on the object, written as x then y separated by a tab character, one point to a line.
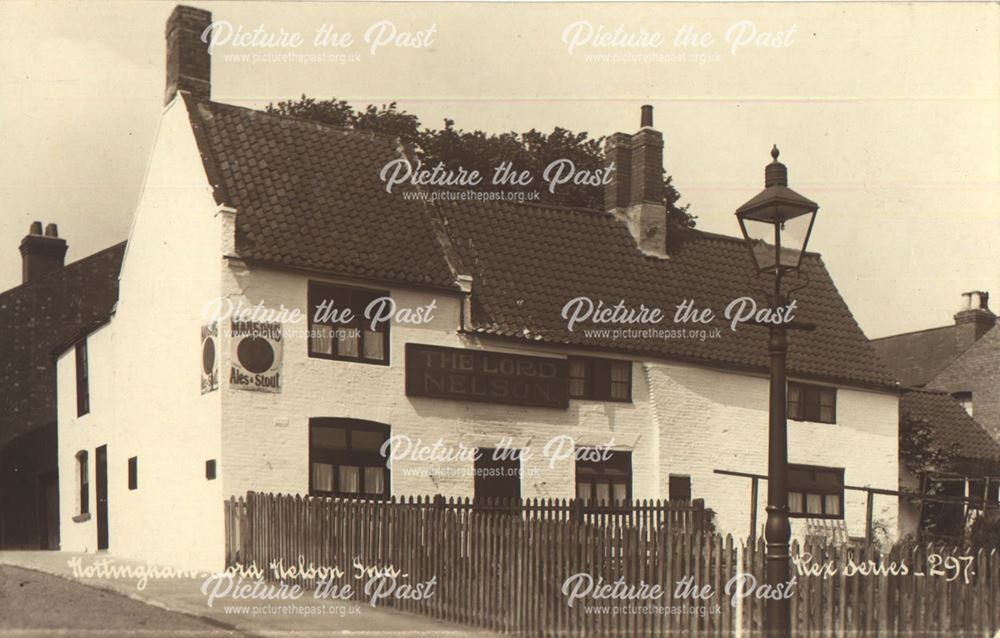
261	453
704	420
718	420
83	433
172	265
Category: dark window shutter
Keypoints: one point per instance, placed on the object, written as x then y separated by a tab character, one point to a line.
133	473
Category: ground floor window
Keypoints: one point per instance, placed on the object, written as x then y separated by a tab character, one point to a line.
345	458
815	492
83	481
603	477
680	487
498	475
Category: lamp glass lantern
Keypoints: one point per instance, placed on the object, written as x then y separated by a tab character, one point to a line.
776	224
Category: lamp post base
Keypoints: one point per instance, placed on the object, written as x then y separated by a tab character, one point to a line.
777	610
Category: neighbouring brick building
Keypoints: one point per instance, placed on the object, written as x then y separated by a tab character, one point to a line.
164	412
955	367
962	359
53	304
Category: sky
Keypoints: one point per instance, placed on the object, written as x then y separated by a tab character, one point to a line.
886	114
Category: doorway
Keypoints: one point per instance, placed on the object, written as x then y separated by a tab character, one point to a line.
102	497
497	479
48	510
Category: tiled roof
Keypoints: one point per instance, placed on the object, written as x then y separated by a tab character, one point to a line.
37	316
309	196
950	424
528	261
917	357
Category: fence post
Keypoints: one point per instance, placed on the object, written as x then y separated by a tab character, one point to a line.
920	508
697	515
869	513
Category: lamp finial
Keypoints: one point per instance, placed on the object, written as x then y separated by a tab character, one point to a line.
775	173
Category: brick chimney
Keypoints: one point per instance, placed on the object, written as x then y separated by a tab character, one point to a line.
189	64
635	193
40	253
974	319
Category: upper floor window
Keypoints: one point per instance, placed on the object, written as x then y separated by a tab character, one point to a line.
603	476
965	398
815	492
345	458
338	328
600	379
82	379
812	403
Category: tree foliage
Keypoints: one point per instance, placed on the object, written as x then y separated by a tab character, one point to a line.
985	531
453	147
920	451
931	461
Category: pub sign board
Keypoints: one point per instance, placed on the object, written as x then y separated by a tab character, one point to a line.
460	374
256	356
209	357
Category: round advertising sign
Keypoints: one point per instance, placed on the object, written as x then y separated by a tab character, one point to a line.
255	354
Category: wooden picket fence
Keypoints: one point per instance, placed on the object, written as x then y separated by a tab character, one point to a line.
678	516
496	568
503	568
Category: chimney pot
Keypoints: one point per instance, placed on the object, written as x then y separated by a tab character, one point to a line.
41	254
974	319
189	64
647	116
979	299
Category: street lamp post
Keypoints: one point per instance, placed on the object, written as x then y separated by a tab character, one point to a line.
776	225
